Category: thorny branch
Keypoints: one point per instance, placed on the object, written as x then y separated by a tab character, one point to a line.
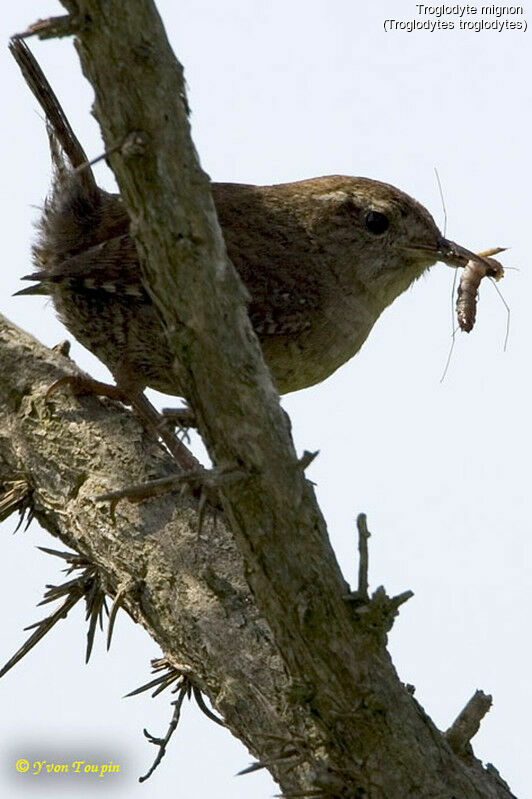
186	589
86	585
315	666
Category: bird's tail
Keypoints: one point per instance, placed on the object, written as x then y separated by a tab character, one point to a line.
63	140
71	219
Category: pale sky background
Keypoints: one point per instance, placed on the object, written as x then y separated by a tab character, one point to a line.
282	91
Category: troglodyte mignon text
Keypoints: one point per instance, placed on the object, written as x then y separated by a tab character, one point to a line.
321	260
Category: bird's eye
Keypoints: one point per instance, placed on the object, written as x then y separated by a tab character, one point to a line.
376	222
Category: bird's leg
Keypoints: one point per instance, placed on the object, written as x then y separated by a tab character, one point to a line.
200	482
203	484
83	384
148	415
156	422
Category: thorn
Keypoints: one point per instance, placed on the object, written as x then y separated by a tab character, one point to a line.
198	696
256	766
400	599
86	585
117	604
270	761
14	495
96	604
43	627
170	675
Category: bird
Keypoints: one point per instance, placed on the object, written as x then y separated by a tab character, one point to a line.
321	259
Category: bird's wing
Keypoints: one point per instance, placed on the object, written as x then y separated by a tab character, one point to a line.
110	266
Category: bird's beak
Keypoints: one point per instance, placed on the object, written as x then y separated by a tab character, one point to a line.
455	255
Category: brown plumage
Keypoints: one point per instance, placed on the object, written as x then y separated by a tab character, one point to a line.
321	260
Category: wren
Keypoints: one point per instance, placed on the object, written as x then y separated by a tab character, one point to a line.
321	260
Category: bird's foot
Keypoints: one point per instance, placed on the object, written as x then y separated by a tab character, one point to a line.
180	420
83	384
148	415
183	418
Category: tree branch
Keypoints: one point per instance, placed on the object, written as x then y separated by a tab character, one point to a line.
322	675
188	591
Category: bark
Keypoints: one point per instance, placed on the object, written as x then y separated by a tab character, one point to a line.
255	607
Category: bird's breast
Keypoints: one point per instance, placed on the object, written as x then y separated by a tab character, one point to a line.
334	334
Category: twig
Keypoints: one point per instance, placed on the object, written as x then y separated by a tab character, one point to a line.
132	144
363	564
467	723
208	479
162	743
186	687
54	27
307	458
